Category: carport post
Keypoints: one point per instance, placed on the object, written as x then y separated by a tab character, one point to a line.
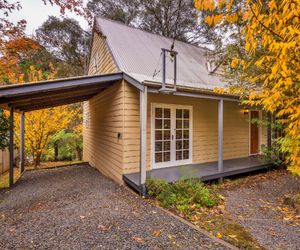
11	147
143	139
22	141
220	137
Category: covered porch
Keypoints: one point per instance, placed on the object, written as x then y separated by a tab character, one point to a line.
204	171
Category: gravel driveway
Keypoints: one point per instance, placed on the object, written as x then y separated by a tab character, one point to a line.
259	209
78	208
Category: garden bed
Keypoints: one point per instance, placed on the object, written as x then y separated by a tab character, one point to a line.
255	212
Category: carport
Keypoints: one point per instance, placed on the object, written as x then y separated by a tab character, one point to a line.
22	98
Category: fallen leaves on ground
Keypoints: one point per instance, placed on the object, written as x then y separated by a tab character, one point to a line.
138	239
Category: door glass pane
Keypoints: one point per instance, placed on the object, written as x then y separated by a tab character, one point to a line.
178	123
158	112
185	154
186	144
158	123
158	157
186	134
167	124
179	155
178	145
158	146
167	113
167	156
167	145
178	134
158	135
186	114
186	123
167	134
178	113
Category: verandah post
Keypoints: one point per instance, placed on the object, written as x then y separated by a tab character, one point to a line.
269	131
143	138
11	147
220	137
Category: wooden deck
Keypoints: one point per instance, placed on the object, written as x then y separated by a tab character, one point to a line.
204	171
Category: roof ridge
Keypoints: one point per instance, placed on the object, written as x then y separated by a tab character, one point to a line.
155	34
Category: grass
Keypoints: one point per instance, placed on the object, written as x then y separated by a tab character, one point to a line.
4	178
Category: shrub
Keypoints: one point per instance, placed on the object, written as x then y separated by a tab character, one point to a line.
182	195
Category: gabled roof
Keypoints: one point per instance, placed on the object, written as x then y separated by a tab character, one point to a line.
137	53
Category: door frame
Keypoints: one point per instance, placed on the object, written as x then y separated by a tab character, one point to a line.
173	162
259	132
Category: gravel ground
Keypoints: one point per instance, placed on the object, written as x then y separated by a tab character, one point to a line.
78	208
259	209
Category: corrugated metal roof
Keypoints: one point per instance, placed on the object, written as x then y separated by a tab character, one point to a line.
138	53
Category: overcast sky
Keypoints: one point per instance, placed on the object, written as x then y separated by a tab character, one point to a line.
35	12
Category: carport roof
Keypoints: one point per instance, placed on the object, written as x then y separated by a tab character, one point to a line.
46	94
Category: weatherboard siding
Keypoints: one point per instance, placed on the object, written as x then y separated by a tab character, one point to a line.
103	120
103	117
101	60
205	128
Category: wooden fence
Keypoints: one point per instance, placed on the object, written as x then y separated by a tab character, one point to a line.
4	160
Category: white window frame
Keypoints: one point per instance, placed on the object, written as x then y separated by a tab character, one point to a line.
173	161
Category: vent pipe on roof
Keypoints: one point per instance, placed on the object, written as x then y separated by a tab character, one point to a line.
165	89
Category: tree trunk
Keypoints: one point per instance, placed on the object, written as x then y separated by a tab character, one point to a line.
37	160
55	151
79	153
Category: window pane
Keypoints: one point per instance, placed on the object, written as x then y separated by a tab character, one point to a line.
158	124
158	157
158	146
167	156
167	145
178	123
167	113
167	124
167	134
179	155
186	123
158	112
179	144
186	113
186	144
158	135
185	154
178	134
178	113
186	134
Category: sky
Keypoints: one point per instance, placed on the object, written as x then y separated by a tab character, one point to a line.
35	12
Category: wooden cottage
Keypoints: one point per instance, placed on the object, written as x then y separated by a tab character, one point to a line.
186	130
149	110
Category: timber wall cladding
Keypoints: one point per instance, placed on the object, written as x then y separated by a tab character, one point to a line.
103	117
103	120
101	61
205	128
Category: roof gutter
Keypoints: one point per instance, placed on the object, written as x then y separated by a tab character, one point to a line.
153	87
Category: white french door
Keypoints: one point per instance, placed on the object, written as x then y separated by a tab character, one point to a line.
171	135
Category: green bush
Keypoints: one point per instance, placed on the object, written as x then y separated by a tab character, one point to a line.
182	194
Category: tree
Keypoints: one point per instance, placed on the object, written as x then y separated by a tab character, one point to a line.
267	71
4	130
67	42
40	125
125	11
174	19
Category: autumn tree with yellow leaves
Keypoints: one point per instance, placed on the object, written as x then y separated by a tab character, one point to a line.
263	64
40	125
